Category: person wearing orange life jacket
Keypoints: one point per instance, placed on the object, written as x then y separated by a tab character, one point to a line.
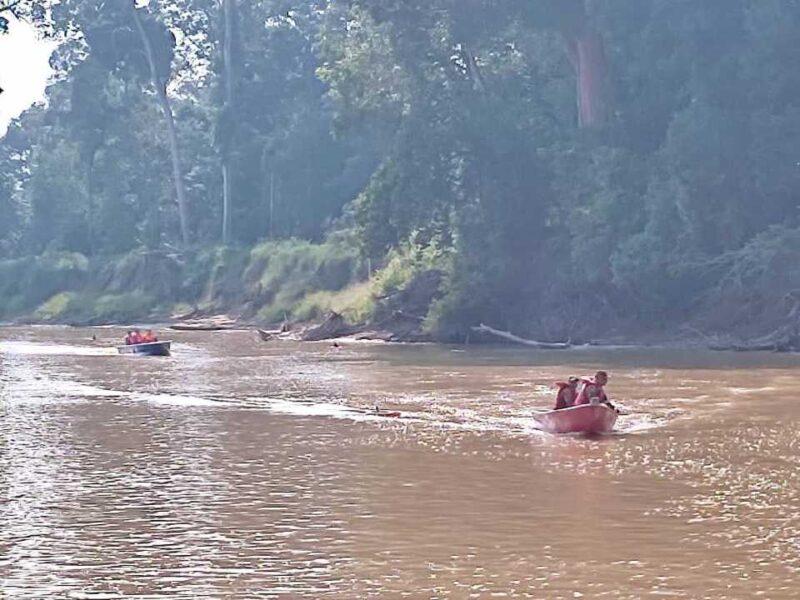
149	337
567	393
592	390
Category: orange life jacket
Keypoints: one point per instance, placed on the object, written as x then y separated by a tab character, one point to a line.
589	384
565	397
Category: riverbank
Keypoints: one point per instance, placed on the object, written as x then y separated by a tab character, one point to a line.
271	282
325	290
290	284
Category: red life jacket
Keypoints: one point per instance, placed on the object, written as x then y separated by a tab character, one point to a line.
564	398
583	395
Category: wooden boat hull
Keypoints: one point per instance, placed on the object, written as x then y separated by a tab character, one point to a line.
151	349
586	418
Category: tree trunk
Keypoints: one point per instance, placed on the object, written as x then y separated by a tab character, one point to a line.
518	340
588	57
90	216
228	12
163	100
226	202
271	203
473	69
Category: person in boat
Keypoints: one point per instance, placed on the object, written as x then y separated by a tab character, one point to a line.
593	390
136	337
149	337
567	393
129	338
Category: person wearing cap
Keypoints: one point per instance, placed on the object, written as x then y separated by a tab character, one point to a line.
567	393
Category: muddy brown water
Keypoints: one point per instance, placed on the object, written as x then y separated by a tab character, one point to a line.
236	469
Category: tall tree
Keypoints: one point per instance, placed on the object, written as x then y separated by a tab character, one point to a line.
229	76
159	83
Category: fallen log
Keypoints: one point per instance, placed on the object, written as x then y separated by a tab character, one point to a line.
518	340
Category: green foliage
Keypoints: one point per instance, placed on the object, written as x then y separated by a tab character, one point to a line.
55	308
407	261
552	162
224	274
32	280
282	273
122	308
355	303
768	263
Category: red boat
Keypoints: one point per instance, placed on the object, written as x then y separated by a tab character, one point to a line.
587	418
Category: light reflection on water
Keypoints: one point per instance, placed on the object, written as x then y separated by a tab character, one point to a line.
239	469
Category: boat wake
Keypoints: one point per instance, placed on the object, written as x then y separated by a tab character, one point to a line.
34	349
172	399
504	413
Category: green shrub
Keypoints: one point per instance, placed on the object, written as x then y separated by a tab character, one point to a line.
55	308
355	303
122	307
154	273
281	274
31	281
409	260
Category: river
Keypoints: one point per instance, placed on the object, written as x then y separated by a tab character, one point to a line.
237	469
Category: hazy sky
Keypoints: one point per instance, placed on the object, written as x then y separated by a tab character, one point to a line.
24	70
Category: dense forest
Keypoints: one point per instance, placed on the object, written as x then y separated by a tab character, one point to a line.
565	169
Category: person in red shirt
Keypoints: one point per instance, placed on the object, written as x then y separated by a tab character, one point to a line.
136	337
567	393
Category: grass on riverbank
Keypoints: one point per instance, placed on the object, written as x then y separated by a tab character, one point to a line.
268	283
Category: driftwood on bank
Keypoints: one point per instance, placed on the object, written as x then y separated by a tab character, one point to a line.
267	336
334	326
510	337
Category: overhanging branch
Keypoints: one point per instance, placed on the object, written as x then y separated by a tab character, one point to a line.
9	5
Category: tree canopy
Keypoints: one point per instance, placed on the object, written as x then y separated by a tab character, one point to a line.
568	160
